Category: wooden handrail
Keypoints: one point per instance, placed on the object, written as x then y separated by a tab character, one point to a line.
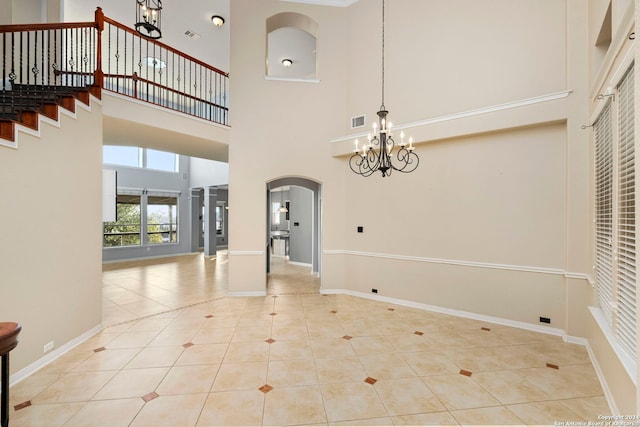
16	28
164	46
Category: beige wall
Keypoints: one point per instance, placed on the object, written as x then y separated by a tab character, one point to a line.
51	237
485	224
278	129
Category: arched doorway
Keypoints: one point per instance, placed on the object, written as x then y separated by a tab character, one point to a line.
293	229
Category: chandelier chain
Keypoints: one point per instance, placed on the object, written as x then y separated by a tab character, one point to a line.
382	54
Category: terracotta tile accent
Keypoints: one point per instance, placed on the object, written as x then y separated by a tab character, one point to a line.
99	349
270	341
391	309
187	345
209	316
272	314
333	311
370	380
465	373
485	329
22	405
347	337
419	333
150	396
265	388
552	366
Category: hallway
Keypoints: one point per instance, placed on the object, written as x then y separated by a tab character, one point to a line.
193	357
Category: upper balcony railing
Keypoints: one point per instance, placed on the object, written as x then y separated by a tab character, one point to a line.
39	60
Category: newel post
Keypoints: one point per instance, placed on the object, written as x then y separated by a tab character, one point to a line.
98	75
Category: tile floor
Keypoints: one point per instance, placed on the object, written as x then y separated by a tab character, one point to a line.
180	353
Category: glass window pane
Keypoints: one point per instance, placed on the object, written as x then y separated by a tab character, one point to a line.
125	231
123	156
162	219
161	160
219	220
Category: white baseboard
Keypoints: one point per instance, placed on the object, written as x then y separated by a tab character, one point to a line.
453	312
55	354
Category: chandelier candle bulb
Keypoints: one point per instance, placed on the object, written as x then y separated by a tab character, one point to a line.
356	142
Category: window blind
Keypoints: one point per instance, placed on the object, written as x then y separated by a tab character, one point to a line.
604	209
625	328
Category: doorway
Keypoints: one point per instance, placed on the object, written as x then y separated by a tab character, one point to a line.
293	235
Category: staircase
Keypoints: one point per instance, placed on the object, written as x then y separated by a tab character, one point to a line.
23	104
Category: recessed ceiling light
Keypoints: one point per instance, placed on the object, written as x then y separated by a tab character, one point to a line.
287	62
217	20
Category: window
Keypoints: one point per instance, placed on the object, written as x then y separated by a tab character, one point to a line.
140	158
615	230
122	156
162	219
125	231
161	160
220	219
275	213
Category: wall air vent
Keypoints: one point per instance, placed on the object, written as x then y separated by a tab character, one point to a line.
358	121
191	34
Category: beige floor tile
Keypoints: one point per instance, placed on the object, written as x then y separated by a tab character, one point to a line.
107	360
430	419
290	350
510	387
74	387
366	422
352	401
233	408
430	363
149	325
249	333
239	352
31	386
475	359
365	346
171	336
345	370
213	336
49	415
567	382
188	380
132	383
202	354
171	411
497	415
240	376
287	373
331	348
294	405
589	408
112	413
407	396
155	357
543	413
289	332
355	327
459	392
386	367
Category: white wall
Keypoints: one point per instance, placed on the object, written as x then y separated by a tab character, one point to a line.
207	173
50	253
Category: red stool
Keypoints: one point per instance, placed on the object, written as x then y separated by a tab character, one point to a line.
8	341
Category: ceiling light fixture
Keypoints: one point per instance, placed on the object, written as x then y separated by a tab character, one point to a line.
217	20
287	62
378	154
148	18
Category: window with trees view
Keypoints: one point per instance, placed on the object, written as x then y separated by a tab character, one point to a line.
162	219
125	231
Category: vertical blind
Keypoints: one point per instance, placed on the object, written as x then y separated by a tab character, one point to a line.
615	222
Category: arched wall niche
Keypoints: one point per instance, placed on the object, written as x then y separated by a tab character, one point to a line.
292	36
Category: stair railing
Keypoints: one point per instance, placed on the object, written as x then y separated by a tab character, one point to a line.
41	59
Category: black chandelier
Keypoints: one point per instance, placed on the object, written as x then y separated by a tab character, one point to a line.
378	154
148	18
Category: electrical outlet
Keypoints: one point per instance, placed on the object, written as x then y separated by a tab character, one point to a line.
360	229
545	319
374	291
48	347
